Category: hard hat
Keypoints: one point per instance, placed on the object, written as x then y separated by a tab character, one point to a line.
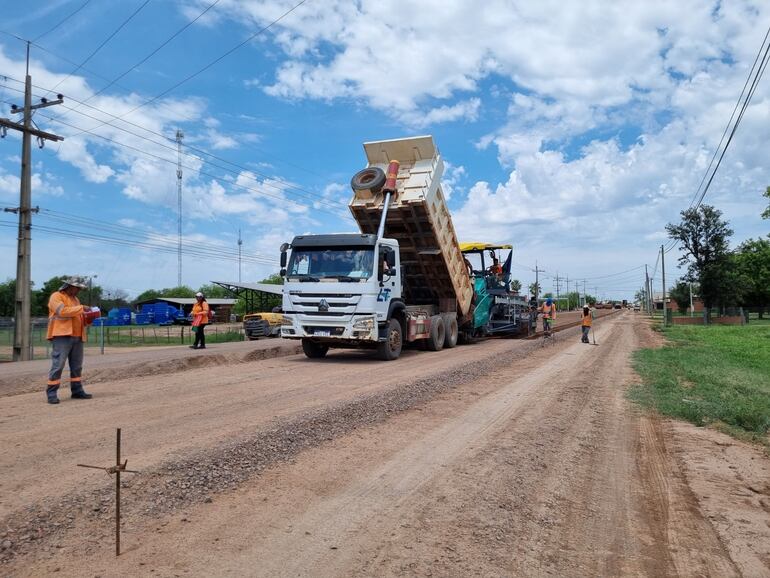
73	281
199	294
549	301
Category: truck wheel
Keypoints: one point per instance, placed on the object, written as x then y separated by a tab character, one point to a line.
314	350
372	178
437	332
450	331
390	349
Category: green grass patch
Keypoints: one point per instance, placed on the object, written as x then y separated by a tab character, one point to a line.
710	375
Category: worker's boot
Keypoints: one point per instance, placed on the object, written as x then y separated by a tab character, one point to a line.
50	393
78	392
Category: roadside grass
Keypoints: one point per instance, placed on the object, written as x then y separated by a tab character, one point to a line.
716	375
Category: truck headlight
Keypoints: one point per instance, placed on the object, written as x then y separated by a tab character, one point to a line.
365	324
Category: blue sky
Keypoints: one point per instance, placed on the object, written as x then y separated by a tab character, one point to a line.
574	131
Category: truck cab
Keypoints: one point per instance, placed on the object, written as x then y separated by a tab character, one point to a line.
338	289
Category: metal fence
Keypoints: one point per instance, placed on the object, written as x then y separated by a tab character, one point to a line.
120	336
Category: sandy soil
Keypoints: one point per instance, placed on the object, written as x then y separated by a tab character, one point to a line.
513	459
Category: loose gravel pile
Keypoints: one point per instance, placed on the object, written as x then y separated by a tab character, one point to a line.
176	485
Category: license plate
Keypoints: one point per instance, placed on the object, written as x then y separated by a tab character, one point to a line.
322	332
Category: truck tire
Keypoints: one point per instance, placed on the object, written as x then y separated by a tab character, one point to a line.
372	179
314	350
390	349
437	332
450	331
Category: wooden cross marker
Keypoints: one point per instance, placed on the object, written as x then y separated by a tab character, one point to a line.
116	469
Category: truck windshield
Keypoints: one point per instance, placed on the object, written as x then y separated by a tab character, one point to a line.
340	263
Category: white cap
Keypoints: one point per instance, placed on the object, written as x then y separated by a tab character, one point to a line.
199	294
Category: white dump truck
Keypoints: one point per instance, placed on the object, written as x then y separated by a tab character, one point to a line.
402	278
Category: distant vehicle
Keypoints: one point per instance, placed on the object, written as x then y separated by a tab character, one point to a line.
618	306
256	325
637	308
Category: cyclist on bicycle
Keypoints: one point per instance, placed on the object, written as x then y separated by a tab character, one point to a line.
548	309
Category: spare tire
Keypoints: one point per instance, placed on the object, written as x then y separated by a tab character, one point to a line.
372	179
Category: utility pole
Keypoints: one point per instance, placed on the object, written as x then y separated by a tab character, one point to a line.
692	311
646	289
240	242
577	290
566	284
557	290
584	293
537	281
663	272
179	137
22	331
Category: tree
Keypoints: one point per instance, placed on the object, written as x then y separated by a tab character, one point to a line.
681	294
766	212
215	291
40	297
515	285
534	289
752	263
8	298
147	295
704	239
273	279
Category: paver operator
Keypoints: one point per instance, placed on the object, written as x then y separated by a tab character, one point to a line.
548	309
67	334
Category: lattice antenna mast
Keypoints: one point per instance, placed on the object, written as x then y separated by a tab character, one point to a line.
179	137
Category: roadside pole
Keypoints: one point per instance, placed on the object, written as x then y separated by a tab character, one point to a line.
663	272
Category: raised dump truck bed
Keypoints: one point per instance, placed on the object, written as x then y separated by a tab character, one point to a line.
418	218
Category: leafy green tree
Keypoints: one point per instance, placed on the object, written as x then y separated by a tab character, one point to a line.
515	285
181	291
766	212
752	263
681	294
215	291
274	279
147	295
703	236
534	289
8	298
40	297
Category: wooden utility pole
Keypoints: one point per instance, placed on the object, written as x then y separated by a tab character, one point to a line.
22	333
663	272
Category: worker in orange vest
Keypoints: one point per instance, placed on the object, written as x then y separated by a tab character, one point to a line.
67	334
548	309
201	314
586	322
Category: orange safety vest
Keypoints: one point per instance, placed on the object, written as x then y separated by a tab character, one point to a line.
587	320
65	316
549	310
200	313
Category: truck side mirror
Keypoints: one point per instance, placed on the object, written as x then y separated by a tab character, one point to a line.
283	272
283	259
390	259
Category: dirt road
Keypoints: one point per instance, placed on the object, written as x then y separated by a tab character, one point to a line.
502	458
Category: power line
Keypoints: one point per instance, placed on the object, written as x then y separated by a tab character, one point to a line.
201	172
161	103
154	52
210	64
62	21
104	42
314	197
